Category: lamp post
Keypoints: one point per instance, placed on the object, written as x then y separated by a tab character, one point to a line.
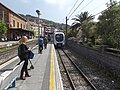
38	13
66	32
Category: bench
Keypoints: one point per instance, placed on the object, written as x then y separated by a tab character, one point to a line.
8	78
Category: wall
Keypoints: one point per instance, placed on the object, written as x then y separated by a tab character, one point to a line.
103	59
14	18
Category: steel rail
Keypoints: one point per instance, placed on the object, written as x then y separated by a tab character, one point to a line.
13	49
7	60
71	82
85	77
5	52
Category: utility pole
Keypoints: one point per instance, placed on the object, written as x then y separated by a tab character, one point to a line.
38	13
66	32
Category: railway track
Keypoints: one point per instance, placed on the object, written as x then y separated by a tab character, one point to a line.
76	78
11	53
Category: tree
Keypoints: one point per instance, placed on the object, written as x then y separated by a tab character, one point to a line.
90	31
3	29
80	22
108	26
111	3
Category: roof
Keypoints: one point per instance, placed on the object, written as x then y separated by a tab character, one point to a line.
20	29
12	12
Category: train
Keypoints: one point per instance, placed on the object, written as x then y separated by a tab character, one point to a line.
59	39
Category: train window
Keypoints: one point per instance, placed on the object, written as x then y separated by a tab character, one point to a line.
59	37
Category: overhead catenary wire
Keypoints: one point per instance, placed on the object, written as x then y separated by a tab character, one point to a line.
76	8
98	13
102	10
86	5
91	10
72	7
95	8
98	6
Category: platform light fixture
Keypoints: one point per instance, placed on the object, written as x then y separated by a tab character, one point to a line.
38	13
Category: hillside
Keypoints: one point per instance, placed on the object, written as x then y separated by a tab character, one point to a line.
54	24
48	22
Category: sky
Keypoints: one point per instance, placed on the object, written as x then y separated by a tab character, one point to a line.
56	10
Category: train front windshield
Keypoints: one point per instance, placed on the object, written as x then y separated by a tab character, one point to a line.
59	37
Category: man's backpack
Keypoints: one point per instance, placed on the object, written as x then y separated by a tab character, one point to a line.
41	41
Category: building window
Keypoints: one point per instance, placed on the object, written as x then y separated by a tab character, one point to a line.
17	24
13	23
21	25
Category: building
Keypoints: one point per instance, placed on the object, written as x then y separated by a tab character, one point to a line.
32	24
16	24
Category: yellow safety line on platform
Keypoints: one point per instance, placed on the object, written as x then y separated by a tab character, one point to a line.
51	82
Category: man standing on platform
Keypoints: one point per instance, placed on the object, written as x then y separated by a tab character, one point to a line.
45	42
40	44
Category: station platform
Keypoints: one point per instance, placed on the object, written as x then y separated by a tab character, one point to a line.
45	75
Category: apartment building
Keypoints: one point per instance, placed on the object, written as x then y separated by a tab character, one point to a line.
32	24
16	24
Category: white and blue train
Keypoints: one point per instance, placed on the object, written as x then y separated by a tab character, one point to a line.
59	39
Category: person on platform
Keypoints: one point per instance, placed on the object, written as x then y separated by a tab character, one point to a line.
40	44
45	42
24	57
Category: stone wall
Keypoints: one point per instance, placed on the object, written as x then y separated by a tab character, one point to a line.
103	59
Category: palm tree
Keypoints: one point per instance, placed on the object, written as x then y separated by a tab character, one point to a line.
80	22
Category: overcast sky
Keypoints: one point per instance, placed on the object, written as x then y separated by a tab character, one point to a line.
55	10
